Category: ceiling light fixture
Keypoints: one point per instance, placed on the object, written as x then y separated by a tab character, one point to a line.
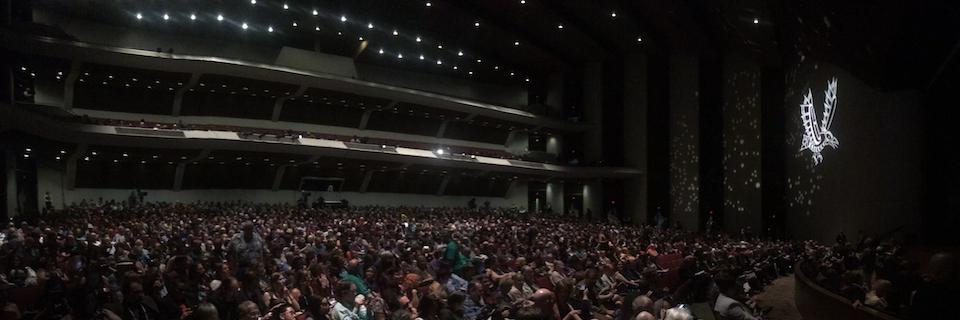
399	56
613	15
139	16
396	33
193	17
512	74
528	79
440	47
471	72
285	6
454	67
476	24
418	39
166	16
253	1
315	12
478	60
756	21
318	28
244	26
270	29
219	17
560	26
460	53
523	1
439	62
421	57
381	51
343	18
370	26
361	38
516	43
294	24
428	4
639	39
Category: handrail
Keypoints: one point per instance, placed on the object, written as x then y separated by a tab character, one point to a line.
815	302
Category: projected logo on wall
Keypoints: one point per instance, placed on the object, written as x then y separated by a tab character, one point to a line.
817	135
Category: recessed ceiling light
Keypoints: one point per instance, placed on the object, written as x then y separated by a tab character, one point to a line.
315	12
528	79
219	17
516	43
381	51
395	32
270	29
294	24
440	47
139	16
471	72
369	26
476	24
399	56
756	21
343	18
193	17
244	26
496	68
421	57
428	3
418	39
439	62
613	14
361	38
460	53
166	16
511	74
253	1
318	28
478	60
285	6
560	26
454	67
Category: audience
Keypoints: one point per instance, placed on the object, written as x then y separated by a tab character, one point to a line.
205	261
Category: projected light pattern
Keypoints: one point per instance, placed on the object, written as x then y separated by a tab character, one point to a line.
684	140
741	143
803	179
817	135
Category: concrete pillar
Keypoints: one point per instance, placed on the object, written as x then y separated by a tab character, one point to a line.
366	118
684	140
278	106
635	135
366	181
443	186
11	174
593	111
182	168
555	197
555	91
593	198
70	84
555	144
71	172
178	97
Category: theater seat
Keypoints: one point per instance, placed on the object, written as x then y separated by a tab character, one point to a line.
25	298
671	279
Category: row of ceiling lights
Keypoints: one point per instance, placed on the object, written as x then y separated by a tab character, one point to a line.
343	18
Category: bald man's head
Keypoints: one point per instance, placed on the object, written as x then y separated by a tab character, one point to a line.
543	299
642	303
645	316
353	267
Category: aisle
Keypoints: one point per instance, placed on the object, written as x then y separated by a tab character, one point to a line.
779	295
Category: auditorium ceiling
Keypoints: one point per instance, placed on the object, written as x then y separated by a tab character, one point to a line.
512	41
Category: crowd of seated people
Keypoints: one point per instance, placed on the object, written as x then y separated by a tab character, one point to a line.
145	261
883	277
